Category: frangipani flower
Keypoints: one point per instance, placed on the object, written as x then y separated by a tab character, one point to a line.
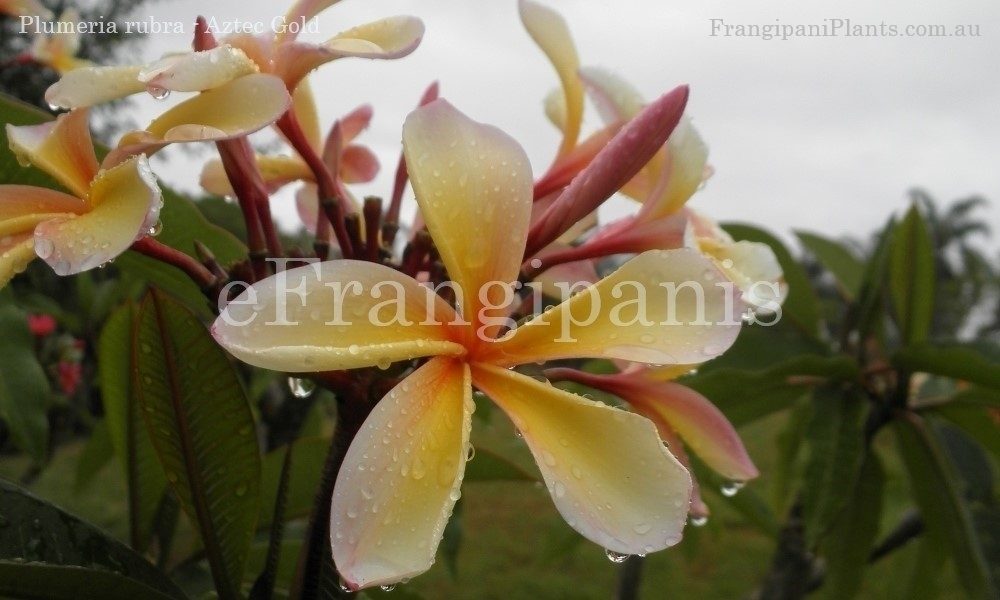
104	213
233	99
353	163
681	415
58	51
606	469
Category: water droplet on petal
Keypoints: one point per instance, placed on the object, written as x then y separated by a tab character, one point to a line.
470	453
731	488
160	93
156	229
699	521
616	557
388	588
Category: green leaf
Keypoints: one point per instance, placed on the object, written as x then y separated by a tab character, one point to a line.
801	306
945	515
836	451
853	533
488	465
865	315
837	259
24	388
308	456
745	396
46	553
126	429
96	453
198	418
975	420
963	362
911	274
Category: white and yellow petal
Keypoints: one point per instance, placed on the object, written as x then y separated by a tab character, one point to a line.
616	99
16	251
94	85
340	314
17	8
389	38
473	184
276	171
123	205
401	476
680	173
62	148
301	10
23	207
304	107
548	29
606	469
238	108
661	307
197	71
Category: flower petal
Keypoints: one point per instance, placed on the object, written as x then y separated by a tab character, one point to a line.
304	105
22	207
197	71
615	98
634	315
393	37
235	109
62	148
301	10
16	251
401	477
607	470
124	204
681	173
548	29
276	171
700	424
345	320
358	164
473	185
94	85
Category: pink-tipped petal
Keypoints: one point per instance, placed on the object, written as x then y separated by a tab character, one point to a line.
401	477
606	469
62	148
358	164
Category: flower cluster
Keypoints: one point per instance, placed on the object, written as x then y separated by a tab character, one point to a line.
500	237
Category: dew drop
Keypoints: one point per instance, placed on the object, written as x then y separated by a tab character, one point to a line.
156	229
642	528
301	388
388	588
699	521
731	488
470	453
160	93
616	557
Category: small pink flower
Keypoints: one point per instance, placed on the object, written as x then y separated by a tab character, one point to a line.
41	325
70	374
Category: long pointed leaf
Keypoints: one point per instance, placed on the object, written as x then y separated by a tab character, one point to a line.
24	388
47	553
911	275
198	418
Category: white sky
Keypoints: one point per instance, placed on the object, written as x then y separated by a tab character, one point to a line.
824	134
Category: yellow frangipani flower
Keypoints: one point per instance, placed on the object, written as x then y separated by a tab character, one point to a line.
104	213
606	469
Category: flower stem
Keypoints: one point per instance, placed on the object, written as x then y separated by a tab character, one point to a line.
171	256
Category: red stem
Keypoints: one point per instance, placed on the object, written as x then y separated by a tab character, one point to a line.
171	256
330	196
248	205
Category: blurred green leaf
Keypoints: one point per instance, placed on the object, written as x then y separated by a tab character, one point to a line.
451	539
911	274
963	362
836	449
975	420
945	515
96	453
866	314
837	259
308	456
48	554
126	430
745	396
801	307
198	418
488	465
853	532
24	388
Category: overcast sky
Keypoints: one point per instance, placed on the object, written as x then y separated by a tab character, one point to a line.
823	134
